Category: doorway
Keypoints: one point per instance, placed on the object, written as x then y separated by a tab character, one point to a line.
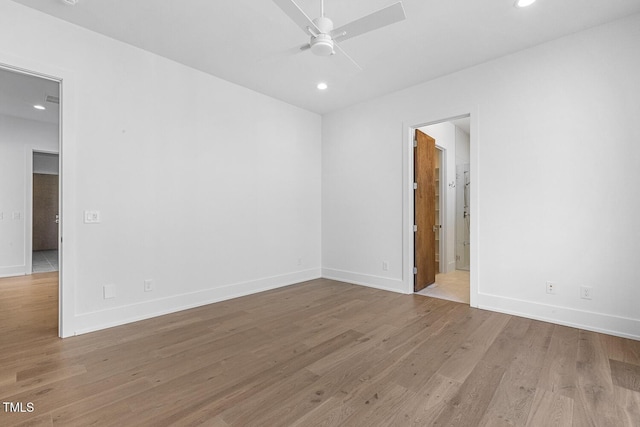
30	131
451	180
45	212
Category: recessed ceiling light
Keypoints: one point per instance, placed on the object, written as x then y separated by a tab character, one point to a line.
524	3
39	107
322	86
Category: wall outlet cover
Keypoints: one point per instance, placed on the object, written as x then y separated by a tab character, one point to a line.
586	292
551	288
109	291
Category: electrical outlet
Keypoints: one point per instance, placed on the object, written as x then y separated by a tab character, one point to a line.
586	292
551	288
109	291
385	265
148	285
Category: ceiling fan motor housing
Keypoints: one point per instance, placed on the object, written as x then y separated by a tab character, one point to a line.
322	44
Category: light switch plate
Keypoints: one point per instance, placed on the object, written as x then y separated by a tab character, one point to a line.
91	217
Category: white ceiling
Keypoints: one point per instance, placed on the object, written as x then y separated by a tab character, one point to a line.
252	42
20	92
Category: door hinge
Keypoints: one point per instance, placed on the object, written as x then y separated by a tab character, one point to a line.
415	270
415	185
415	228
415	143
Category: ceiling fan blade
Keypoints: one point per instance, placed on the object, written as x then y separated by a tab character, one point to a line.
297	15
337	46
383	17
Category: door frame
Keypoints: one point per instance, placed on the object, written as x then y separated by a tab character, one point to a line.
66	175
442	212
434	116
28	212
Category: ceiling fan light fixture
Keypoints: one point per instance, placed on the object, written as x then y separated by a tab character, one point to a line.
322	45
524	3
324	38
322	86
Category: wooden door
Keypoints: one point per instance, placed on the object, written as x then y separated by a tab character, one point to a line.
45	211
424	199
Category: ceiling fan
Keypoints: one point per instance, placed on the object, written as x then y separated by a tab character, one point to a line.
324	38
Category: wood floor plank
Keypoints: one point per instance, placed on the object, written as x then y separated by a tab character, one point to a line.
343	381
426	405
514	396
316	353
594	393
375	403
471	401
70	413
247	388
37	381
252	411
629	402
550	410
625	375
442	340
40	421
463	360
558	374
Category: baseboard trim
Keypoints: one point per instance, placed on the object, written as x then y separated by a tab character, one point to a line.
588	320
581	319
104	319
13	270
378	282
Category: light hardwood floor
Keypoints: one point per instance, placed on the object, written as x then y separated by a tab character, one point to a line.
317	353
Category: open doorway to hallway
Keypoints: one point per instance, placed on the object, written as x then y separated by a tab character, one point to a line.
29	196
452	211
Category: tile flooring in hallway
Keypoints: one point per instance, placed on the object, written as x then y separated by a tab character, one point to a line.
45	261
452	286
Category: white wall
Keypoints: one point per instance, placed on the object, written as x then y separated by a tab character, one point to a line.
18	139
208	188
556	149
46	164
463	159
445	136
463	148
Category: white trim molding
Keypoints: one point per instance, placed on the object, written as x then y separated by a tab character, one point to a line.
102	319
378	282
